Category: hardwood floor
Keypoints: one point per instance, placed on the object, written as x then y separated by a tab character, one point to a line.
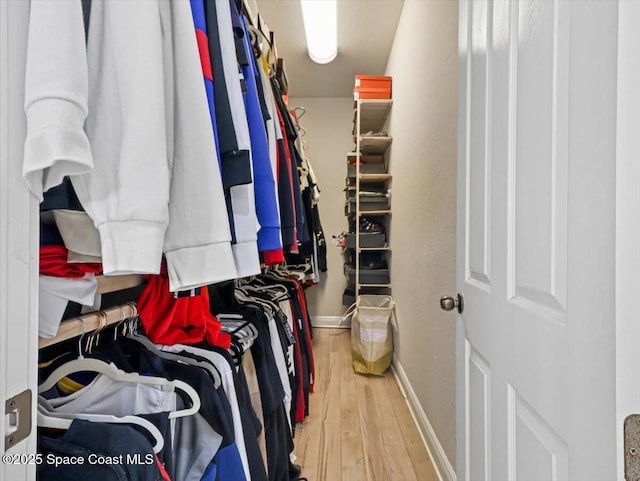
359	427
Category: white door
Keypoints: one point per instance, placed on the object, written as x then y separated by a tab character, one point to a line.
536	240
18	257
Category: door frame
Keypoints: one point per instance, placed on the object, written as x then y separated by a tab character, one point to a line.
19	244
627	277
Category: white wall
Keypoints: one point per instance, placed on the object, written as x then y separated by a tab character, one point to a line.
423	64
328	122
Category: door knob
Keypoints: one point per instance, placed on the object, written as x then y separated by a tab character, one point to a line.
448	303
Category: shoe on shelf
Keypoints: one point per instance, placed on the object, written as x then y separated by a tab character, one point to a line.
373	260
367	225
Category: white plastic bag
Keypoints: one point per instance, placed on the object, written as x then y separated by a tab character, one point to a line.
372	335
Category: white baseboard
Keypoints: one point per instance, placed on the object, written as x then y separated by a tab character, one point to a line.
440	461
335	322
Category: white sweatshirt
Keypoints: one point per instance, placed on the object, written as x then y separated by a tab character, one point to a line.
56	90
155	186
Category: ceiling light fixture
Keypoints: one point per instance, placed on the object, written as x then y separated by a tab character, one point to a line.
320	19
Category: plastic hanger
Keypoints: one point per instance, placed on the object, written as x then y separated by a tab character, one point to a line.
229	317
278	291
89	364
275	273
259	289
234	321
206	365
241	330
246	297
267	288
148	344
110	370
47	419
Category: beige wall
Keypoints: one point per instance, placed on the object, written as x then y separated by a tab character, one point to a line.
423	64
328	122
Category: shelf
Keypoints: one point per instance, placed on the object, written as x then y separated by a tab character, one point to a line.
374	212
118	283
364	213
373	114
371	177
365	159
375	177
372	142
374	145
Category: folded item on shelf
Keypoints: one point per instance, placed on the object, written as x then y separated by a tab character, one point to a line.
368	225
369	276
78	232
371	133
54	295
367	239
53	262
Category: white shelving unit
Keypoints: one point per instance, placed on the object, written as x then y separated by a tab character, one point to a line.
374	178
369	118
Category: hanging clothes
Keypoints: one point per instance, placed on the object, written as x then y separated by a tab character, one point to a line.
174	157
269	236
245	220
170	320
108	442
137	199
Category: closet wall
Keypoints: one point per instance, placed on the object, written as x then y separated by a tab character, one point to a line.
328	122
423	64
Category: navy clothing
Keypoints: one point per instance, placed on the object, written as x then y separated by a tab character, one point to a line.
252	429
62	196
303	235
162	422
216	411
279	441
247	414
214	408
291	207
287	212
85	438
74	472
251	426
235	168
236	164
276	427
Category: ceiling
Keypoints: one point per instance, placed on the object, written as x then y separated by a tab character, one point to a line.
366	29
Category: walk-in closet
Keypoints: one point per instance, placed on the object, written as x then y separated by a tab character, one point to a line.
319	240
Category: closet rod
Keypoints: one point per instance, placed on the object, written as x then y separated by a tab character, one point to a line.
88	323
